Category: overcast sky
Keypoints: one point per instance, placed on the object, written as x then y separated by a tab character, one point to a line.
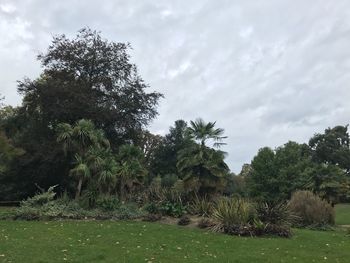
267	71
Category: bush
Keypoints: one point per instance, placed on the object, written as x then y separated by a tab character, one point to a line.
201	206
152	208
169	180
277	214
41	198
108	203
184	220
311	210
173	209
128	211
230	212
258	228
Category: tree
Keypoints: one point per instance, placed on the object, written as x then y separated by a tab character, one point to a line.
202	168
130	168
262	181
201	131
166	154
92	78
85	77
81	139
149	143
276	174
332	147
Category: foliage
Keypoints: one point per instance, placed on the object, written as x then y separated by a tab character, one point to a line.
128	211
97	83
100	82
176	209
152	208
201	206
108	203
202	132
203	169
332	147
169	180
166	154
41	198
236	185
275	214
130	170
275	175
229	212
311	210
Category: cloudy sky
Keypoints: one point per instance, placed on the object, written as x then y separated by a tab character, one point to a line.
267	71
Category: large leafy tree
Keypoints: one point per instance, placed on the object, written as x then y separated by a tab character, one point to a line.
166	154
92	78
276	174
82	77
332	147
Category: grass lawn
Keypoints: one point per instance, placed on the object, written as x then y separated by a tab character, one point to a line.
342	212
105	241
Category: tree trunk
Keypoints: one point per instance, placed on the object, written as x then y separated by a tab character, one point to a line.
77	194
121	189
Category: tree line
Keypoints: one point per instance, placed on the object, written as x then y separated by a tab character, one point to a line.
82	125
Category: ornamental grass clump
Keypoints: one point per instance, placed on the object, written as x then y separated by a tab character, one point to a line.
231	212
311	210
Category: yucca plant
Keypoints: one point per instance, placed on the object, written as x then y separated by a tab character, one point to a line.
229	212
277	213
201	206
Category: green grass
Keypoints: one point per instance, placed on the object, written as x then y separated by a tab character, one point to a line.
5	211
105	241
342	214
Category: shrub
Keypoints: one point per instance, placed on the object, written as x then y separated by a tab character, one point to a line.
169	180
277	214
108	203
184	220
41	198
201	206
152	208
173	209
128	211
311	210
229	212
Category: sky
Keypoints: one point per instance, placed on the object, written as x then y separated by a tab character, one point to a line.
266	71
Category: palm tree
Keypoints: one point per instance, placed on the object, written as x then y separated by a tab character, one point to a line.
203	169
79	137
201	131
130	167
86	142
107	176
81	171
